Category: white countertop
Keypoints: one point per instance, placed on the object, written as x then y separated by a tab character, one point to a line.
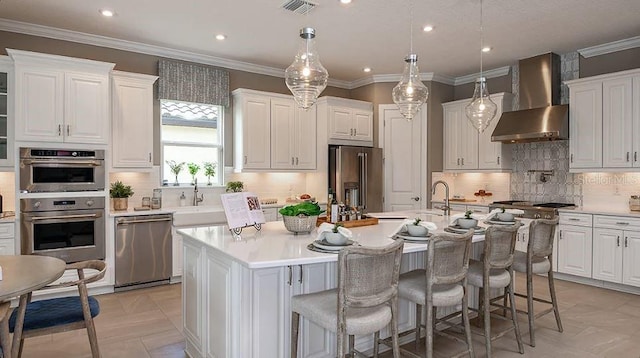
8	219
474	203
624	211
274	246
131	212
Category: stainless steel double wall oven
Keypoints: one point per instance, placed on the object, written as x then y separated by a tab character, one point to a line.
60	224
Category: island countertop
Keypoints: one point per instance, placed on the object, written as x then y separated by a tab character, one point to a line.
274	246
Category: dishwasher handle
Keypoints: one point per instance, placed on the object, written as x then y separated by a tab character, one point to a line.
149	220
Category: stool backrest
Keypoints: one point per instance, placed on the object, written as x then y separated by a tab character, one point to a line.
368	276
541	235
499	245
448	258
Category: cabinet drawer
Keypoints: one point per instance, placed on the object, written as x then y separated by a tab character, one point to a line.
458	207
616	222
6	231
576	219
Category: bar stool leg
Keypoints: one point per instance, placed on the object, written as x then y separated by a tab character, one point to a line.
465	320
418	325
429	326
554	300
295	319
486	309
530	312
376	345
352	343
514	314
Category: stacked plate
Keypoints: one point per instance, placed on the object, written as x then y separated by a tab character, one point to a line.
326	245
495	221
410	238
457	229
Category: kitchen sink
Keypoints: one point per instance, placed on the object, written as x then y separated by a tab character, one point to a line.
198	216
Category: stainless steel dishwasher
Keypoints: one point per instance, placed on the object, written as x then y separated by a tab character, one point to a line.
143	250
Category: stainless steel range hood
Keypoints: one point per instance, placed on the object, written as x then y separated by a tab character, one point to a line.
541	117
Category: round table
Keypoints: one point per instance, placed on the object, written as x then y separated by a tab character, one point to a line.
20	276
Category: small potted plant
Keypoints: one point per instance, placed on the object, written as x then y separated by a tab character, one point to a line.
193	170
235	187
209	171
415	229
176	168
120	194
504	216
467	222
335	237
300	217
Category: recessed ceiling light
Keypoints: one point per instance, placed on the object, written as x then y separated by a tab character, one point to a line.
427	28
345	1
107	13
486	49
367	69
221	37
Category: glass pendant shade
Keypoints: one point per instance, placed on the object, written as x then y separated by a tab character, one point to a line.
306	77
481	110
410	93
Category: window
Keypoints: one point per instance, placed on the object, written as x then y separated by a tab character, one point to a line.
192	136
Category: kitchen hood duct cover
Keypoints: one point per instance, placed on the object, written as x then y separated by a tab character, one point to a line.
541	117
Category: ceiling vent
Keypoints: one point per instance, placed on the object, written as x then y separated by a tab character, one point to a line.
299	6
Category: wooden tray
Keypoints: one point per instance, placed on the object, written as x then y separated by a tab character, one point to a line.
351	223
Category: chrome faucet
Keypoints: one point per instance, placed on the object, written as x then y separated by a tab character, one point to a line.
197	200
445	208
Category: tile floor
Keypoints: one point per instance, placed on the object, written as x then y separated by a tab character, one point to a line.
147	323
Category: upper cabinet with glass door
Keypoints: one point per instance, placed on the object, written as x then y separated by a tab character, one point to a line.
6	113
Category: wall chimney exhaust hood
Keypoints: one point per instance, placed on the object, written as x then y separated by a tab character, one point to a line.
541	117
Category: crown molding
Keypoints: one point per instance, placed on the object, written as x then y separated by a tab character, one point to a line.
395	77
610	47
496	72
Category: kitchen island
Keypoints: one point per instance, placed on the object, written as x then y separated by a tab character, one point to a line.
237	289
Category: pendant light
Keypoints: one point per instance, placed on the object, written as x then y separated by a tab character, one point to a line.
410	93
306	77
481	110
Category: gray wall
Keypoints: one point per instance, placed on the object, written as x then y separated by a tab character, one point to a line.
612	62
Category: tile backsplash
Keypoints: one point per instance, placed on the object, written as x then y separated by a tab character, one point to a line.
530	159
466	184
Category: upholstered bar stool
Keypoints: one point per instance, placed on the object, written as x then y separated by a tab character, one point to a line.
538	260
365	301
442	284
495	271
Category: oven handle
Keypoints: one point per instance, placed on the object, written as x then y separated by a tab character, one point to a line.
62	217
93	163
125	221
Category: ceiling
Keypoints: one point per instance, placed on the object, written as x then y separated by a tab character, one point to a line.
365	33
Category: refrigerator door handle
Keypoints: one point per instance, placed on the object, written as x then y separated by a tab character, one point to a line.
363	178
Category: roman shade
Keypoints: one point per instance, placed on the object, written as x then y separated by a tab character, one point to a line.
189	82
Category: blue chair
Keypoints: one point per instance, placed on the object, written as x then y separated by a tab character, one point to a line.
66	313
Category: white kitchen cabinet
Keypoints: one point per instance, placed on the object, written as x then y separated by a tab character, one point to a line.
464	148
478	209
7	238
293	135
575	244
132	120
270	214
61	99
616	248
605	122
192	299
176	254
349	121
271	132
6	112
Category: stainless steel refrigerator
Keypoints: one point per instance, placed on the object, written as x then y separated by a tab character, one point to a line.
355	175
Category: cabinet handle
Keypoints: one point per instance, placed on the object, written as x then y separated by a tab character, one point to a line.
149	157
296	160
498	160
571	157
462	161
627	157
635	156
477	211
355	131
300	279
292	160
626	242
618	241
458	161
245	159
574	219
59	130
621	223
68	129
290	276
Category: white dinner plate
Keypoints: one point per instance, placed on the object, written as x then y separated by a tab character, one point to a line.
325	245
500	222
459	230
406	236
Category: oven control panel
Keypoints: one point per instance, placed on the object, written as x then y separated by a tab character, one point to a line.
55	204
